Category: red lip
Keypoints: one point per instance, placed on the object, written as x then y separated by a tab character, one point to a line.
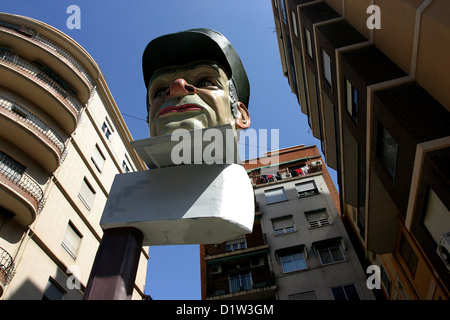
184	107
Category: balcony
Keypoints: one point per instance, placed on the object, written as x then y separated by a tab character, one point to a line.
32	45
254	284
19	193
6	269
19	75
249	243
31	134
284	174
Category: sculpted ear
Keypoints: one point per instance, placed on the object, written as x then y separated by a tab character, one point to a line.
243	119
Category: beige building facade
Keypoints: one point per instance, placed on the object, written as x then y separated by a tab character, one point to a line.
62	141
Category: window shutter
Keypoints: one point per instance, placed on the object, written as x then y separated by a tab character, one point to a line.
275	195
304	187
71	241
282	222
326	64
86	194
317	218
283	225
98	158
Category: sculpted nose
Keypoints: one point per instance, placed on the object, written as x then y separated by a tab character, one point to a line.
178	88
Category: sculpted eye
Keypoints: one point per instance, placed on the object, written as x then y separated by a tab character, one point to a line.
205	82
159	93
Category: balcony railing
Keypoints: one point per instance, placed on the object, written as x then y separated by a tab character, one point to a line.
12	172
256	178
32	120
49	45
249	241
260	278
6	267
40	77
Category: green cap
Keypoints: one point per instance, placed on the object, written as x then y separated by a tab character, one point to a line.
194	45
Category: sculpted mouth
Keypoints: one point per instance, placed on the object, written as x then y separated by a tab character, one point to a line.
182	108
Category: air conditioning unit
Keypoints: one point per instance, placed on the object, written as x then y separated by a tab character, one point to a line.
443	249
216	269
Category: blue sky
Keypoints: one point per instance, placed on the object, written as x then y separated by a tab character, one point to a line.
115	33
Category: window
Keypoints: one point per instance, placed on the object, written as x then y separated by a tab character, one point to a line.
408	255
292	63
330	250
326	67
275	195
107	129
53	291
332	254
98	158
86	194
72	240
234	245
345	292
292	258
308	42
387	283
387	150
307	188
283	8
293	262
437	217
294	23
240	281
401	289
126	165
317	218
283	225
351	95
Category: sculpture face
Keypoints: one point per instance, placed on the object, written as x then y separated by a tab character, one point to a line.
193	96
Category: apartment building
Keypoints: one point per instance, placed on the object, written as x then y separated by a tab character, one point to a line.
62	141
299	248
372	78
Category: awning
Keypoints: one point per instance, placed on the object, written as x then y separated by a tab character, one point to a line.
291	250
328	243
237	256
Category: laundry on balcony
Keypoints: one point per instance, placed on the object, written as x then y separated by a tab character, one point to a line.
270	174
